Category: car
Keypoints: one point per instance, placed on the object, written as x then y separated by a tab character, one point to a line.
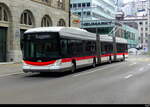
132	51
141	52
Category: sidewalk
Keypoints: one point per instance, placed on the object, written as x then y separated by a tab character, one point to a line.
10	68
7	63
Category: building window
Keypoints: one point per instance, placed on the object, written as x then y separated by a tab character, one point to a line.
88	13
61	4
46	21
27	18
74	5
141	29
45	1
141	23
146	35
79	5
3	14
83	4
146	23
70	5
49	2
141	34
84	13
139	38
88	4
142	40
79	13
61	23
146	29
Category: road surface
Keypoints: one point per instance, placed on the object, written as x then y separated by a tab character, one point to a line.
117	83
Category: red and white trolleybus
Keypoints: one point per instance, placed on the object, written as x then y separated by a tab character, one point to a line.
59	49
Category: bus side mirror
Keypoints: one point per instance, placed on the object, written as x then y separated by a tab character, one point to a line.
21	44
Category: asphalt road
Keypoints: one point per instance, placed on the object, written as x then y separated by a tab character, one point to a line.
118	83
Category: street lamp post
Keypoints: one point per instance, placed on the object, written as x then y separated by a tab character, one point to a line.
82	19
98	46
69	15
148	25
114	45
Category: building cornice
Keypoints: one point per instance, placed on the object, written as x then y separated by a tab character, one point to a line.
49	5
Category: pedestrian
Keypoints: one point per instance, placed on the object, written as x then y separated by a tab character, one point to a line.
136	52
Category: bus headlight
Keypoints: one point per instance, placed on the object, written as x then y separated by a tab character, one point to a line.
58	62
24	63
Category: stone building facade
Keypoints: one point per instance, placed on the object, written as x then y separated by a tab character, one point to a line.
16	16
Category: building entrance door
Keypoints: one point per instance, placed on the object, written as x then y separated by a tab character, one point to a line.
3	34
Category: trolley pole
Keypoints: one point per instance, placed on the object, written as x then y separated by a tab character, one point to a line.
148	6
114	45
98	47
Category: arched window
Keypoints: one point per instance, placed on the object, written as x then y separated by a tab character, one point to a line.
48	2
27	18
3	13
61	4
46	21
61	23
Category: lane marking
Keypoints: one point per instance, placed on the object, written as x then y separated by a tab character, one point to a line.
6	75
141	69
133	64
82	74
128	76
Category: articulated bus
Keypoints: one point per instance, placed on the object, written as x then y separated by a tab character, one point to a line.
59	49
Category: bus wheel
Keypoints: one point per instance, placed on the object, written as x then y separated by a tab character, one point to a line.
94	63
73	69
110	60
124	58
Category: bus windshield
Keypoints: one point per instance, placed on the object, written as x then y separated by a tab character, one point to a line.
41	46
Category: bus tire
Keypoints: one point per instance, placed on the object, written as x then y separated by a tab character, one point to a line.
123	58
110	60
94	63
73	69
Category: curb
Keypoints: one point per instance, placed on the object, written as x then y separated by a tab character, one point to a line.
9	63
6	63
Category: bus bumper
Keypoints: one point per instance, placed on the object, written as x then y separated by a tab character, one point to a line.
46	69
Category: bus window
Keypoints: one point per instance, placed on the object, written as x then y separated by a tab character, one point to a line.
41	47
75	48
64	48
90	48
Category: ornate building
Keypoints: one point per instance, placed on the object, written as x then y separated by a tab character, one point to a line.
16	16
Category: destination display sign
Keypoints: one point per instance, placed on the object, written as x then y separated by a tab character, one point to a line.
43	36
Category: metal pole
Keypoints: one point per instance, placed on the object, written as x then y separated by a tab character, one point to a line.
82	19
148	26
98	47
114	45
69	15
